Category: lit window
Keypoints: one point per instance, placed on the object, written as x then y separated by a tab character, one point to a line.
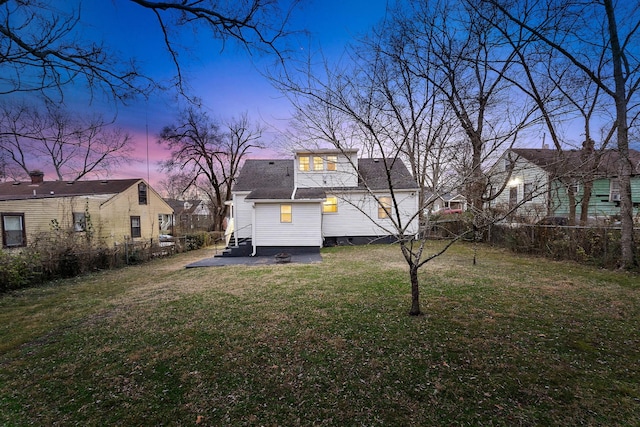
318	164
13	234
304	163
136	229
332	162
384	208
330	205
79	221
142	193
285	213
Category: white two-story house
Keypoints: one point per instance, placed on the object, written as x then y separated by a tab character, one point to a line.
321	198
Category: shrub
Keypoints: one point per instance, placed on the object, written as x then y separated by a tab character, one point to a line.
18	270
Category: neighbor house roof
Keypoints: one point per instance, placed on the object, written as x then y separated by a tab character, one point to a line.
178	206
274	179
50	189
573	161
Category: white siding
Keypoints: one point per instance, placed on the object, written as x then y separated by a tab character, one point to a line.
524	172
358	215
243	213
303	230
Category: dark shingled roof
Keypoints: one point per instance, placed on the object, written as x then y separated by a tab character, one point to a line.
266	179
48	189
273	179
373	173
550	160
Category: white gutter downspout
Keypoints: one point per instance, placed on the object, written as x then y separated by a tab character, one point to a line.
253	229
233	215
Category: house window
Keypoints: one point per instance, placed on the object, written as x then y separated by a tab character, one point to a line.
574	187
13	233
513	197
285	213
332	161
330	205
142	193
384	208
318	163
79	221
304	163
528	191
136	229
614	191
508	164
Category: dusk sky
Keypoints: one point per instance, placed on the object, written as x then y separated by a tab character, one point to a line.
228	81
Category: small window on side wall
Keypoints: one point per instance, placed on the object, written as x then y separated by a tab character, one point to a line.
79	221
528	191
136	228
614	191
285	213
384	207
13	231
330	205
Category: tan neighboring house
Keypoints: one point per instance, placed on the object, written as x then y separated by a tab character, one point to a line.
113	211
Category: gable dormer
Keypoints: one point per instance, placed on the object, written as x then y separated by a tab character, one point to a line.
326	168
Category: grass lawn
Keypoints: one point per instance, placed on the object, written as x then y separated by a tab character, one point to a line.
511	341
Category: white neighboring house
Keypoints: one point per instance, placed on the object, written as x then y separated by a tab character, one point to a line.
319	198
527	183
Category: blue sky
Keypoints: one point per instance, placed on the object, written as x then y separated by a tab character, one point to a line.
228	81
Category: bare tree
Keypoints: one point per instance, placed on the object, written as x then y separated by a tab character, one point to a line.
43	48
201	147
177	185
561	98
394	95
257	25
594	36
74	147
42	51
417	123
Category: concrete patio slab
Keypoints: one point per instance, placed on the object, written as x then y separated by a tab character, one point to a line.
309	258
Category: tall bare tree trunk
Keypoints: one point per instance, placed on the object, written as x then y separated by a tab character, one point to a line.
415	290
627	243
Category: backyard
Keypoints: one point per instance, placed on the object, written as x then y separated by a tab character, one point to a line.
513	340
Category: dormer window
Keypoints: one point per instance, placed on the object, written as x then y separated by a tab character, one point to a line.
142	193
304	163
332	162
318	163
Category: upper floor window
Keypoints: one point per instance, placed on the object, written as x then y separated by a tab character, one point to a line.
384	207
304	163
285	213
332	161
614	191
13	232
330	205
508	164
142	193
318	163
